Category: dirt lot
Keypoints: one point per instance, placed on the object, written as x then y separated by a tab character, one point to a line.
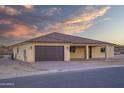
14	68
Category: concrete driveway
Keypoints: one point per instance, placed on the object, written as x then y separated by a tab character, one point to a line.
14	68
117	60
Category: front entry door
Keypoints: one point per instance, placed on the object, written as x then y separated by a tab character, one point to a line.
90	52
24	53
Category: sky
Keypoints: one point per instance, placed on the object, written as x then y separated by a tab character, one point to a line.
20	23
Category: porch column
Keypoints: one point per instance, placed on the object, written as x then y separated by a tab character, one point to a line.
106	51
87	52
66	53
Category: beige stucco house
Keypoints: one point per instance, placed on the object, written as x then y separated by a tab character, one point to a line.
61	47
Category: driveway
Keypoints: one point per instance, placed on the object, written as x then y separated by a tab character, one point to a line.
60	65
14	68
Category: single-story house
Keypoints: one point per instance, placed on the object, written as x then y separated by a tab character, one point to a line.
61	47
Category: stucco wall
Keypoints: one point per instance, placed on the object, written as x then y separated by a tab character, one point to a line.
31	52
66	52
20	54
110	51
96	52
79	53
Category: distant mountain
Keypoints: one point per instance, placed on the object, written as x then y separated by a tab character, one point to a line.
5	49
119	49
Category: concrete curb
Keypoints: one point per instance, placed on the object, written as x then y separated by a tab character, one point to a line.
56	71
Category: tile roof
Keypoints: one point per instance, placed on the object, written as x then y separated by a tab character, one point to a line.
64	38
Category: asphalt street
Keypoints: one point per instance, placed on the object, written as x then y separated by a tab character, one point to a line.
96	78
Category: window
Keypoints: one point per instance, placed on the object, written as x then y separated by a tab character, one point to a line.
24	53
30	47
103	50
17	50
72	49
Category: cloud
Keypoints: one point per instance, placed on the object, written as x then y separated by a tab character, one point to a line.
52	11
5	25
22	31
2	21
29	7
88	15
79	22
32	24
73	24
9	10
104	19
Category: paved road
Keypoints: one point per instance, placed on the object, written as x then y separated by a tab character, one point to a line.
107	77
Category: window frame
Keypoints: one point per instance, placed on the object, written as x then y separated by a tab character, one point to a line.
17	49
103	50
72	49
31	47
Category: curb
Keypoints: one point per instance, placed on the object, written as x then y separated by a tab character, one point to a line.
56	71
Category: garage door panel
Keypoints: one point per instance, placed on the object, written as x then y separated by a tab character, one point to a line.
49	53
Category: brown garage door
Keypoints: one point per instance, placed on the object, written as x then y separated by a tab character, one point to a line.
49	53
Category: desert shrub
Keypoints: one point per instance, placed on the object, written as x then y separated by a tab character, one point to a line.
1	56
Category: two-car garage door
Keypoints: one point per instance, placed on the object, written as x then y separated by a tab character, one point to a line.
49	53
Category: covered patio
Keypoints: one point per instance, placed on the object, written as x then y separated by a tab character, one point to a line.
86	52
